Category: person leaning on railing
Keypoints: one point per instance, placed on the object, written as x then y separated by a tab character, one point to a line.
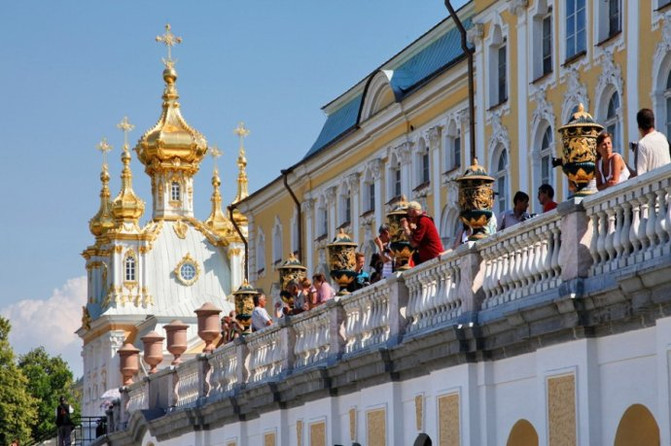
610	167
422	234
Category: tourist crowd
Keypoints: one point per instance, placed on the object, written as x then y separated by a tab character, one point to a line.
419	229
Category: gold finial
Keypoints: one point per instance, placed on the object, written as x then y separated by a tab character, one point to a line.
104	147
169	40
242	132
125	127
215	153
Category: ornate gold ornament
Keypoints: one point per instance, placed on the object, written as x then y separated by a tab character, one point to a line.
342	260
180	229
86	318
187	270
127	207
476	199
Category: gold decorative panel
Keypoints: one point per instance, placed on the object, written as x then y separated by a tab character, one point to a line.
419	411
561	410
377	428
318	434
299	432
231	443
448	420
269	439
352	424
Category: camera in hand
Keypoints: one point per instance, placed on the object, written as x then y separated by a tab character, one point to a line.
557	162
633	145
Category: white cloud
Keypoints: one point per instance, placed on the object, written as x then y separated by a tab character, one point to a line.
50	323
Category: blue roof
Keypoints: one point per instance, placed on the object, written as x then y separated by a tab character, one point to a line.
337	123
439	54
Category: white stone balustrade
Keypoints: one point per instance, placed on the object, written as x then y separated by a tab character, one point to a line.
522	260
188	383
313	336
224	365
138	396
268	353
433	296
367	316
631	222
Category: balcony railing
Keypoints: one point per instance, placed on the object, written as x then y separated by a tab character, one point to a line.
626	228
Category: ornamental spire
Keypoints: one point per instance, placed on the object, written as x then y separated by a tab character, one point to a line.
169	40
103	219
127	206
243	192
217	220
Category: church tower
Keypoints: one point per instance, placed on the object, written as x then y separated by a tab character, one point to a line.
141	277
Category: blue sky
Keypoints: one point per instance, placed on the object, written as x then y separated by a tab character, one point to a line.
69	72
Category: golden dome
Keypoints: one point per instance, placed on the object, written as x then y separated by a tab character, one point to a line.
171	143
127	206
103	220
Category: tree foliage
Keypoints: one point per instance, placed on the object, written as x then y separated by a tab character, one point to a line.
18	409
49	377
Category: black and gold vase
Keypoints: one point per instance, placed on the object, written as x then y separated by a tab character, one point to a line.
291	269
399	245
244	305
578	152
342	261
476	199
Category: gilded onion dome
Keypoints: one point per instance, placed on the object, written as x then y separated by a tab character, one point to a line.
171	144
127	206
103	220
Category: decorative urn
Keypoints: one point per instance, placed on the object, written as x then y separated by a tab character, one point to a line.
208	325
244	305
129	359
476	199
290	270
176	334
578	154
342	261
153	350
399	243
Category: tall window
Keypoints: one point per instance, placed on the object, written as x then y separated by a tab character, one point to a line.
370	205
426	169
667	97
456	152
323	221
260	253
396	180
614	17
502	181
130	269
547	43
576	34
612	123
348	208
277	243
546	158
501	82
175	192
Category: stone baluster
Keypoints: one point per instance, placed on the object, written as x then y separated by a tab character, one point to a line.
601	234
556	251
652	219
617	236
661	222
593	245
625	240
668	209
610	232
635	223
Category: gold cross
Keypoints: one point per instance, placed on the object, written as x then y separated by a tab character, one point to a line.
170	40
242	132
104	147
215	153
125	127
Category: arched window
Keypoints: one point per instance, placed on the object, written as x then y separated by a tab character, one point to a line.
277	242
612	122
426	169
498	68
129	268
501	177
175	191
546	176
345	207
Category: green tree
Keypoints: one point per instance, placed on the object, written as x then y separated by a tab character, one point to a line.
18	409
49	377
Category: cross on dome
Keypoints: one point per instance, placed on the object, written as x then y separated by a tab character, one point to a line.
242	132
169	40
104	147
125	127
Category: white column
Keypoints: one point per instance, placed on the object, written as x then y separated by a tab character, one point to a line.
632	28
520	67
308	211
405	154
376	169
435	137
331	194
353	181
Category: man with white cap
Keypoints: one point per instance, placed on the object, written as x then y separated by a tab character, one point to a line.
423	235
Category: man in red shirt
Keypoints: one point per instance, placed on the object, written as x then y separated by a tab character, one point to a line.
545	197
422	234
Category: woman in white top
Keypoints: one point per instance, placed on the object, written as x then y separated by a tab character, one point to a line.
610	168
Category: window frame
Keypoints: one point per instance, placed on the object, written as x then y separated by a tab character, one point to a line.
579	46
